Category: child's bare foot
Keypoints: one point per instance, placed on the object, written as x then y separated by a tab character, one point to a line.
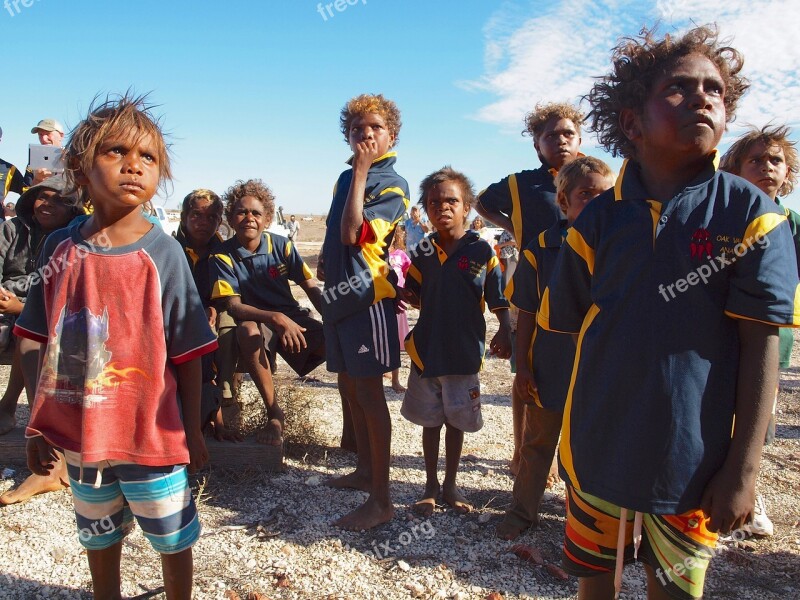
35	485
272	434
353	481
7	423
453	497
368	515
424	508
397	387
553	477
508	531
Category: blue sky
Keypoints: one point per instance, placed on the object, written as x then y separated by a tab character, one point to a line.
254	89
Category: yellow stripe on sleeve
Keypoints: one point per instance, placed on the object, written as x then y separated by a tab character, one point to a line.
225	258
760	227
581	248
493	262
307	274
222	289
414	273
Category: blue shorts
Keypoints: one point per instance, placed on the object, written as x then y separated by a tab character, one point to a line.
107	495
365	344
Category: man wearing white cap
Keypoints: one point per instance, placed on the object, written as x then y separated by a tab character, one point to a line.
11	180
51	133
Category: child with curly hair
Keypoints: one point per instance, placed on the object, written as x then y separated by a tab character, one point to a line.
250	275
674	283
524	203
359	310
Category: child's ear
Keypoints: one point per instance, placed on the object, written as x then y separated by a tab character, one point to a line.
629	124
562	202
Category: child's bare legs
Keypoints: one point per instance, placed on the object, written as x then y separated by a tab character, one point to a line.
104	567
518	419
346	391
361	478
430	450
34	485
177	571
251	348
8	404
598	587
453	443
370	413
396	385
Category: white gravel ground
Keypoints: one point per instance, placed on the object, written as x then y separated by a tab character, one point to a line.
272	534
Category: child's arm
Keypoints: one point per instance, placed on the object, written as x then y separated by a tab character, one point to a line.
190	379
500	345
495	217
730	495
353	216
523	380
311	288
40	454
290	333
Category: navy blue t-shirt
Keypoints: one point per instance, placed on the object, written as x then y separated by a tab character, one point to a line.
655	291
262	277
528	198
449	337
551	354
356	277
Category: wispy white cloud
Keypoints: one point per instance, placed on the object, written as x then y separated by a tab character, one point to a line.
555	54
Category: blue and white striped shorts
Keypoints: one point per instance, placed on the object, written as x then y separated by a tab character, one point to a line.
108	495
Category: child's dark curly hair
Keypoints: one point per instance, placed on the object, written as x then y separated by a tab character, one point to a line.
443	175
536	120
777	135
251	187
638	63
369	103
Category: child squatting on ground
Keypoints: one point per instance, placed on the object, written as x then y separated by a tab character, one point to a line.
545	359
361	340
652	469
524	203
123	330
250	275
452	273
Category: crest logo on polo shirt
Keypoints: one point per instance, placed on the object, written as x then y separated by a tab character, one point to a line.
274	273
463	263
701	243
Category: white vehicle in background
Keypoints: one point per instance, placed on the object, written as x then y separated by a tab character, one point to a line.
167	224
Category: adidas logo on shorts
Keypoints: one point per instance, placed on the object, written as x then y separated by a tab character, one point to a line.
363	349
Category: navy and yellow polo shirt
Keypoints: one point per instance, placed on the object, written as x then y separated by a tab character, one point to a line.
551	354
11	180
449	337
528	198
260	278
655	291
199	264
356	276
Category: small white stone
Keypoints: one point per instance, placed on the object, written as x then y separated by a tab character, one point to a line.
403	565
484	518
314	480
